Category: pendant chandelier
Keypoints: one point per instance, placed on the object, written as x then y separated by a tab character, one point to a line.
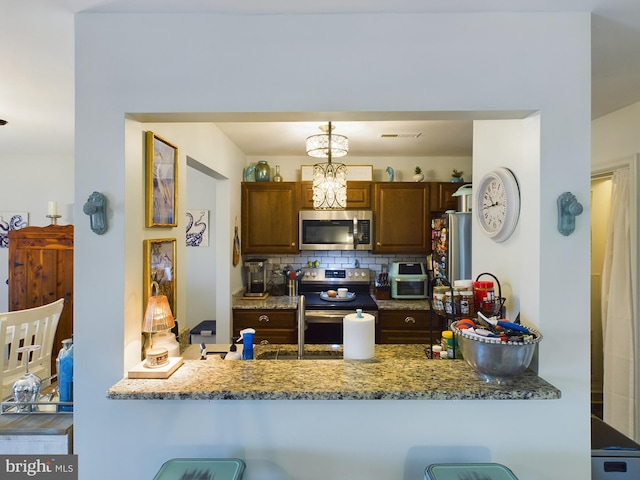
329	179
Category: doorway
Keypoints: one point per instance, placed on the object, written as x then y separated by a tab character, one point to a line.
200	258
616	397
600	207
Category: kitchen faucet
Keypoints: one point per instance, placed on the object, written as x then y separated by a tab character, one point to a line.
300	327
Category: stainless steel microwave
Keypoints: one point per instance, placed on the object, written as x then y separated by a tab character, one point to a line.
336	229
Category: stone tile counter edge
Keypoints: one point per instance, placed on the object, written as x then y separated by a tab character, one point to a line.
273	302
398	372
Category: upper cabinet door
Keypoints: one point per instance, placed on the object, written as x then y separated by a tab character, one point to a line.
270	217
358	195
441	196
402	217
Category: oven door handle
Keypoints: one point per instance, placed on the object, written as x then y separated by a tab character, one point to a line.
328	316
324	314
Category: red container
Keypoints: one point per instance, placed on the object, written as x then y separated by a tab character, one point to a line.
484	296
483	291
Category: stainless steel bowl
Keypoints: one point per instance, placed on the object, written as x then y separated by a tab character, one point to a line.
496	361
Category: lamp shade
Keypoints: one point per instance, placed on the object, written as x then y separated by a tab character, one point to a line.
327	144
158	316
329	186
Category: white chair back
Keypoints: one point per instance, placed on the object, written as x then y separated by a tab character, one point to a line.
32	326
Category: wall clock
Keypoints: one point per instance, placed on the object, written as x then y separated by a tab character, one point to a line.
497	204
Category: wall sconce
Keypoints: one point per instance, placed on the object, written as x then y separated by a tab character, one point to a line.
568	209
96	208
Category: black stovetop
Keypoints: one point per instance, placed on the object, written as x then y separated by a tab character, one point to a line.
362	300
317	280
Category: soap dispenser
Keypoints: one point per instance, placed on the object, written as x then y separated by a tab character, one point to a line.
246	336
233	353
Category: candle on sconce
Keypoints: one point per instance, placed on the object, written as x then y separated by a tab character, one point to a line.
53	208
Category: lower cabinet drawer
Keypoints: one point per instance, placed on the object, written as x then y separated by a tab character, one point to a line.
409	326
403	319
264	318
271	326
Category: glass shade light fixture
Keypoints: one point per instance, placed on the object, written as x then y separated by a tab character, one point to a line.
329	179
157	319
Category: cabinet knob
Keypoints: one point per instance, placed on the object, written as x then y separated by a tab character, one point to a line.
293	244
263	318
377	243
409	320
264	342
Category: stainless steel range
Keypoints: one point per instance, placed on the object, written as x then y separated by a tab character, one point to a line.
324	314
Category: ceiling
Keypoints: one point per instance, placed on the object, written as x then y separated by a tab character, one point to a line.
39	106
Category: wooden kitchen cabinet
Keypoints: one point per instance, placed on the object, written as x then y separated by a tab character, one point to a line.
270	217
408	326
402	217
358	195
41	272
272	326
440	196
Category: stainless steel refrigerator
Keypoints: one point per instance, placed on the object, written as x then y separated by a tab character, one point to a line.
451	246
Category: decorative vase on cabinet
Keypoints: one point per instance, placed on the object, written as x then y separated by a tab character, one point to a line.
262	171
277	177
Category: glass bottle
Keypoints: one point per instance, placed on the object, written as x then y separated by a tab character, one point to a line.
277	177
64	365
262	172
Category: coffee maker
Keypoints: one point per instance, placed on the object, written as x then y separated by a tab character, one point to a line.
256	277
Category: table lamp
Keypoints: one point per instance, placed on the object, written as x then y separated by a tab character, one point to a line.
157	319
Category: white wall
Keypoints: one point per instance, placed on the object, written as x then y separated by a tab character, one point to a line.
223	160
435	169
615	136
188	63
28	184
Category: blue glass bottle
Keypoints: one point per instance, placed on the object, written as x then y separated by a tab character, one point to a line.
64	364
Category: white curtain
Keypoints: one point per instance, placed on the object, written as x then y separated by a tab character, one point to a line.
617	319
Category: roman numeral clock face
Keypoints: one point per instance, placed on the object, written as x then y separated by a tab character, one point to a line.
497	204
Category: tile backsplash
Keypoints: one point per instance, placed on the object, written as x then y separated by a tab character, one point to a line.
337	259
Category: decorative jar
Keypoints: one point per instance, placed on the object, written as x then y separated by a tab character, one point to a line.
262	171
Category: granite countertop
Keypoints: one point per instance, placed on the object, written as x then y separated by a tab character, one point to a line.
392	304
398	372
273	302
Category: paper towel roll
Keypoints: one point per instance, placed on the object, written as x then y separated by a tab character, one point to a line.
359	336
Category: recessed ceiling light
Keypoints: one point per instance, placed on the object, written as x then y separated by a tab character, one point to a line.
3	122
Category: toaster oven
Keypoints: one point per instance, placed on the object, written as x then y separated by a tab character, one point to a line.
408	281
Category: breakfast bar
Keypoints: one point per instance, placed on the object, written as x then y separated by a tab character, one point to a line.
397	372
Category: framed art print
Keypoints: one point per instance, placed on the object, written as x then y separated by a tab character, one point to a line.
161	182
11	221
160	267
197	228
